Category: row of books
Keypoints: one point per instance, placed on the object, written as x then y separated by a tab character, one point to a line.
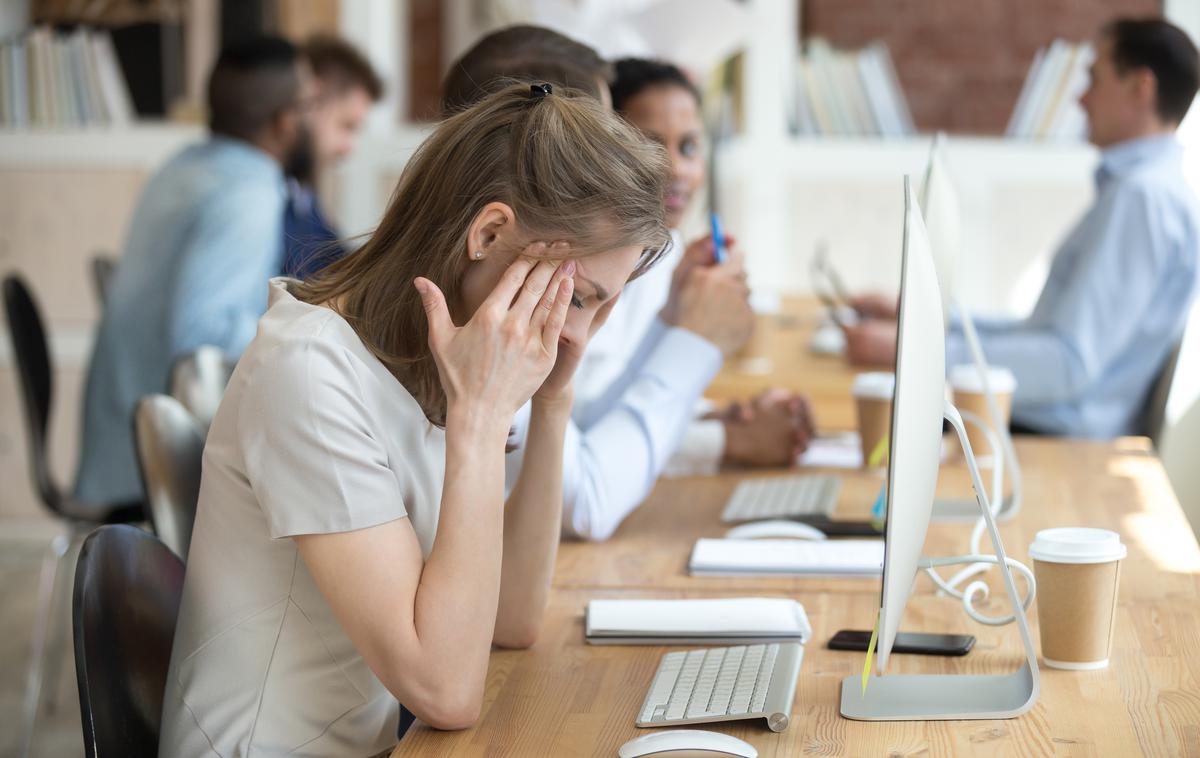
844	92
1048	107
55	80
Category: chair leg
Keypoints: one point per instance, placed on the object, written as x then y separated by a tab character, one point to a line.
46	606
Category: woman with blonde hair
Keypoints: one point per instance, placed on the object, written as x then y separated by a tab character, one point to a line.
352	545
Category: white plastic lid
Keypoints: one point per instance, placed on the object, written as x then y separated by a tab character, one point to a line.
879	385
966	377
1077	544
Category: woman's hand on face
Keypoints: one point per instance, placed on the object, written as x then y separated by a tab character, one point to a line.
498	359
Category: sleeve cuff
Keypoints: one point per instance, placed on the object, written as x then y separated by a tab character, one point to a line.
700	450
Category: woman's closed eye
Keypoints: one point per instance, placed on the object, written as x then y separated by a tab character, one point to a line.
576	302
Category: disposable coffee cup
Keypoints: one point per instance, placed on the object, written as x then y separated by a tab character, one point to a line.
966	381
873	400
1077	571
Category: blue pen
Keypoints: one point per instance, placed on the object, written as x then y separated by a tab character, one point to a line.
718	238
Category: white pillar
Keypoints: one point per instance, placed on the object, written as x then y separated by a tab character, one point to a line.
380	30
768	86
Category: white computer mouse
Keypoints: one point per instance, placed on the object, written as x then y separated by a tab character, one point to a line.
689	741
828	339
775	529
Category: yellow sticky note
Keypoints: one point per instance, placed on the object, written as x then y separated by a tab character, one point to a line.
877	453
870	653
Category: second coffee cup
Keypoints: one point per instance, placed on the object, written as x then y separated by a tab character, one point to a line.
873	400
967	382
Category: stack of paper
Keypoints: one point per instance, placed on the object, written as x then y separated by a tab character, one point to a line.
723	621
62	80
850	93
842	558
1048	106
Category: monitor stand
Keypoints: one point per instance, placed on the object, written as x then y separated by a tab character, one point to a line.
933	697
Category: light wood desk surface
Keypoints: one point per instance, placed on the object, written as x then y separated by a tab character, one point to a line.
566	698
779	356
1117	485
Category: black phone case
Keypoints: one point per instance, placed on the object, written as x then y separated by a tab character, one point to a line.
922	649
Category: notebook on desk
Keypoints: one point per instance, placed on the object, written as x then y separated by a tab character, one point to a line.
834	558
718	621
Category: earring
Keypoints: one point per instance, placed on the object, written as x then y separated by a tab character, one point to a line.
477	254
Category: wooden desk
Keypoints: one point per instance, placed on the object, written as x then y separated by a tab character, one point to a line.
566	698
1117	485
779	356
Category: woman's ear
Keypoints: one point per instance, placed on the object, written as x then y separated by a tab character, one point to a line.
492	231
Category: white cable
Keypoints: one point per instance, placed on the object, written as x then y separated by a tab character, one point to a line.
993	406
967	596
980	525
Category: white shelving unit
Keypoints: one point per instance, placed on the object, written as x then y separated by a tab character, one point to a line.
145	145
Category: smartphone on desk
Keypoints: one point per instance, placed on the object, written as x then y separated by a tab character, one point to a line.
918	643
833	528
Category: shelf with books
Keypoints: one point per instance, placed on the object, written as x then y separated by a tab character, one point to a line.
57	79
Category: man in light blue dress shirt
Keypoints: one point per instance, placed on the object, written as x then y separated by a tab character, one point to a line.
205	238
1122	283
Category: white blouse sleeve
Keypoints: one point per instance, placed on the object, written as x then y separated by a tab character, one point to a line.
312	454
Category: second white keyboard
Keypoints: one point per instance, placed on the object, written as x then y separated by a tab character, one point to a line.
783	497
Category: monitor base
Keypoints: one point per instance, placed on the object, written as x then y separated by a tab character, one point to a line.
939	697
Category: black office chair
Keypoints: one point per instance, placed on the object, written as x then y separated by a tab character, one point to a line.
1154	414
128	585
103	265
37	395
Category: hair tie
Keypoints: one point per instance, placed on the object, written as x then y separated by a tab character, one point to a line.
538	91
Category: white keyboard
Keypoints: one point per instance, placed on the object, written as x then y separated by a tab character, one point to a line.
783	497
724	684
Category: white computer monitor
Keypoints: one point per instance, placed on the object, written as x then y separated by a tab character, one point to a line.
940	210
918	408
916	431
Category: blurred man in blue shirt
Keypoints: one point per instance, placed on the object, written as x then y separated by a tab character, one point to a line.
347	87
205	238
1121	285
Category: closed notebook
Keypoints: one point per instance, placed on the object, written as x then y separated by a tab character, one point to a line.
745	620
849	558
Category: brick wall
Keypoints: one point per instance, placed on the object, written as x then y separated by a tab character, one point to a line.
962	62
425	59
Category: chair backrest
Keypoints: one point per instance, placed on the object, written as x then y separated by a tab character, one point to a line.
198	381
170	445
1178	453
37	382
126	598
103	266
1154	416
